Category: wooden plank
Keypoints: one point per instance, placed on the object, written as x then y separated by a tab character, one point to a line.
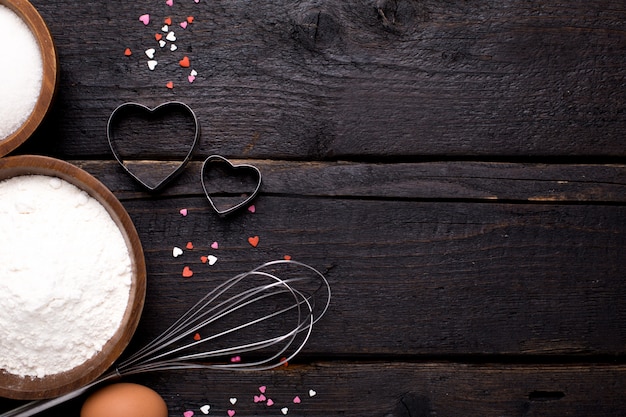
394	390
480	181
352	79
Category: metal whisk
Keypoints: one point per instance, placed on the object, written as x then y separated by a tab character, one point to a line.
272	307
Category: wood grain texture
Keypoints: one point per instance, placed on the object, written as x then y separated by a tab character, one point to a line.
353	79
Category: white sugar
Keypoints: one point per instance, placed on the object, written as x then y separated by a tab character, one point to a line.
65	276
21	72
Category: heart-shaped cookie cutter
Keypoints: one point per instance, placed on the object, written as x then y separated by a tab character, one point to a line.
126	108
220	159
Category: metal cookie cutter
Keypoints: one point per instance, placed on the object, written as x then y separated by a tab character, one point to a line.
241	168
139	110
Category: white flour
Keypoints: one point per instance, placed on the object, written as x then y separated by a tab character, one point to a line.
21	72
65	275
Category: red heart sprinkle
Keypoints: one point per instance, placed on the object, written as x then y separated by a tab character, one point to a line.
187	272
169	85
158	36
287	257
168	21
196	336
190	19
204	259
253	241
128	52
184	62
189	245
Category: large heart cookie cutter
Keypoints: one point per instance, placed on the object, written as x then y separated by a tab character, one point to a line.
250	169
127	109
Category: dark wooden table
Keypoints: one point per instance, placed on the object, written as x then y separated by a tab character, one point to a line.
456	169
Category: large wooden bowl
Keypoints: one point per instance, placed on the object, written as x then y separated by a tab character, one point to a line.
18	387
50	73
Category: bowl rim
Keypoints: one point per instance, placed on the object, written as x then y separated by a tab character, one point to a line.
28	388
29	14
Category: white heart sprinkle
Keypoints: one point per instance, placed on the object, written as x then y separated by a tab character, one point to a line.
150	53
212	259
162	43
176	252
284	410
205	409
171	37
312	393
165	28
173	47
152	65
194	72
233	401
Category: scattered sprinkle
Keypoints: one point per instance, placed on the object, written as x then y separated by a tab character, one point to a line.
169	2
128	52
188	413
204	259
144	18
215	245
197	336
162	43
187	272
233	400
167	20
205	409
262	389
312	393
183	24
191	78
287	257
173	47
252	208
158	36
269	402
150	52
190	19
284	410
176	252
296	400
184	62
183	212
171	37
169	85
189	245
212	259
231	413
235	359
165	28
253	241
152	65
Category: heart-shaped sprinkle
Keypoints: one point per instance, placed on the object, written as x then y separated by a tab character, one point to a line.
253	241
257	399
165	28
184	62
215	245
190	19
171	37
128	52
252	208
191	78
188	413
296	400
233	401
196	1
170	3
204	259
167	20
287	257
169	85
176	252
194	72
183	24
158	36
197	337
144	18
189	245
205	409
269	402
173	47
312	393
212	259
235	359
183	212
231	413
284	410
262	398
187	272
262	389
162	43
150	53
152	64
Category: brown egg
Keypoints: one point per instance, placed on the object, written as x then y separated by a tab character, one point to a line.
124	400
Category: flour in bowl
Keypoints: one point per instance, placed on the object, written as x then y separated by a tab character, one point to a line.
65	276
21	72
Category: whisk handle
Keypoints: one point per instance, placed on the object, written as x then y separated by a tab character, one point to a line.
37	406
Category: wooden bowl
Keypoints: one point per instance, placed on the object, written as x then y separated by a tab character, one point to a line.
19	387
50	73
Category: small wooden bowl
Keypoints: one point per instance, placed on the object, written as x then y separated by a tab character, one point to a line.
50	73
18	387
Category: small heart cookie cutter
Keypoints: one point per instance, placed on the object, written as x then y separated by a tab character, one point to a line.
128	108
220	159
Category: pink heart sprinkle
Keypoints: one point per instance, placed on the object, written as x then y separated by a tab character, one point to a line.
270	402
145	18
235	359
183	24
262	388
170	3
296	400
262	398
196	1
257	399
188	413
252	209
231	413
183	212
214	245
191	78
